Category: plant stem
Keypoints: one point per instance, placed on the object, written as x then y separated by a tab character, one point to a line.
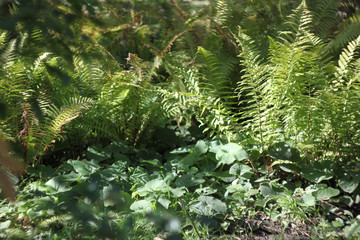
188	215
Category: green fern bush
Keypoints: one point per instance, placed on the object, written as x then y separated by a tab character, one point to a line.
38	104
297	92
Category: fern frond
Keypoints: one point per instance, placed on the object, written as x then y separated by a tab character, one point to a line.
349	31
298	22
325	17
8	56
55	220
281	95
219	97
222	12
58	117
251	87
4	38
345	59
216	72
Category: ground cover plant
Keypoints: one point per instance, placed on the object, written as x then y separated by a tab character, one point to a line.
179	119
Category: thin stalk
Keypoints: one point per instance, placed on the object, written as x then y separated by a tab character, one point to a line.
188	215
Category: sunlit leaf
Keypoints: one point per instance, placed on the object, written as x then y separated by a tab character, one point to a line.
201	148
318	172
84	168
349	182
230	153
57	185
241	170
5	225
164	201
178	192
309	200
326	193
141	206
208	206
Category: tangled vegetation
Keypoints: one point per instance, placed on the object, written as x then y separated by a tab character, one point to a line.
220	119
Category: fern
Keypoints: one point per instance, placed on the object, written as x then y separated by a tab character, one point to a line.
15	233
297	92
281	95
325	17
218	92
38	135
344	101
345	59
55	220
12	84
251	87
222	12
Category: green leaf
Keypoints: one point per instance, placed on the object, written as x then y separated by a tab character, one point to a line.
266	190
318	172
97	153
186	162
178	192
201	148
5	225
69	178
120	165
153	186
224	176
84	168
164	201
241	170
347	200
188	180
41	171
109	174
57	185
230	153
353	230
141	206
215	146
349	183
262	202
181	150
326	193
280	150
117	147
287	166
34	214
239	187
113	196
309	200
208	206
121	158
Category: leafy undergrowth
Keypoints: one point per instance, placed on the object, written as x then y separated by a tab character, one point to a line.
210	190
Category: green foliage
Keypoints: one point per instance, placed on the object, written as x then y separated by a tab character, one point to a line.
291	92
108	100
103	196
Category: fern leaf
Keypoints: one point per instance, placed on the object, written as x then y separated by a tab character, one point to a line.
57	118
251	87
217	72
346	58
325	17
222	12
55	220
